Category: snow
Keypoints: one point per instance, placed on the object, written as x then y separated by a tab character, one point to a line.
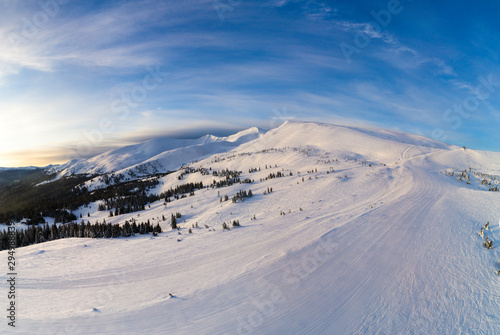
391	249
19	168
156	153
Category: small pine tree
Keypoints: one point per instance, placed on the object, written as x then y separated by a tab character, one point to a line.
173	223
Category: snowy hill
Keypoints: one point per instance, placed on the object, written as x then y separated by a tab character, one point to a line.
349	231
376	144
163	154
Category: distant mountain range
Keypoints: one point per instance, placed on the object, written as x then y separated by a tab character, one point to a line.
156	155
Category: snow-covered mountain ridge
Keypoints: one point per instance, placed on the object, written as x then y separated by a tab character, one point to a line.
349	231
160	154
163	155
19	168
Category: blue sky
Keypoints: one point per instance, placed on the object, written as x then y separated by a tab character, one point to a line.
80	77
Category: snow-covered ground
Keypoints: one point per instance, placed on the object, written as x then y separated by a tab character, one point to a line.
375	239
160	154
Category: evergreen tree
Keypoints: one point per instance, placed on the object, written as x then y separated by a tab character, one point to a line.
173	223
54	232
127	229
158	228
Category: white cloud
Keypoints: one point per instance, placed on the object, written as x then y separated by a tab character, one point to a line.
116	37
396	48
319	10
147	114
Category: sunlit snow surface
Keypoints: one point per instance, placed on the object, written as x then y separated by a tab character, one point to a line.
387	249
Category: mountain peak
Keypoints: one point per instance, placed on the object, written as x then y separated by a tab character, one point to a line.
157	153
208	138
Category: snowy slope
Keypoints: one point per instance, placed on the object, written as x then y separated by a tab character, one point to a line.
390	248
163	154
376	144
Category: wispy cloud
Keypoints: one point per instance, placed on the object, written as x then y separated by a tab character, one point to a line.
64	80
121	36
319	10
394	48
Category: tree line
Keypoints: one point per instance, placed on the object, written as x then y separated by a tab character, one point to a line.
44	233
